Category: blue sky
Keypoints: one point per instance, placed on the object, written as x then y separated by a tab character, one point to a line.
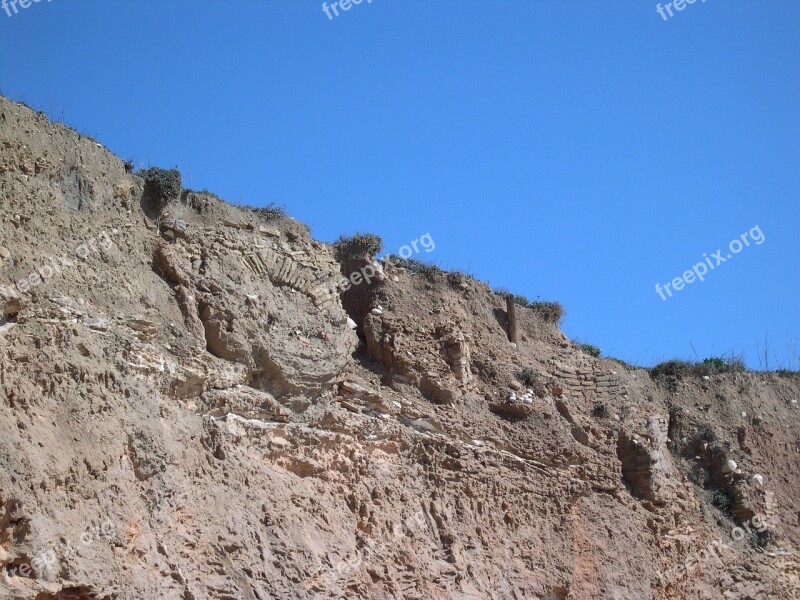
567	150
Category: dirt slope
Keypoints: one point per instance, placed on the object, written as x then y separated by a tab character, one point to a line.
187	412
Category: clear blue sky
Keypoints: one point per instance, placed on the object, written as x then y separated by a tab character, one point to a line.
569	150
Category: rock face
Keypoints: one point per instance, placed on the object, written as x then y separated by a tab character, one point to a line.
187	411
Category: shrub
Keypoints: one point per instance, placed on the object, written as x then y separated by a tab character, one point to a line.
591	350
719	364
600	410
722	500
706	434
671	368
164	185
522	301
417	266
696	475
358	245
619	361
787	373
527	376
678	369
760	539
530	378
457	278
270	212
550	312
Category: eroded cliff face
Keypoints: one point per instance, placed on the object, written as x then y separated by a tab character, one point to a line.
186	412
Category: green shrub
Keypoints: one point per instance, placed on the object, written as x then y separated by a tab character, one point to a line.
722	500
531	379
550	312
787	373
715	364
706	434
760	539
600	410
457	278
270	212
591	350
358	245
619	361
417	266
678	369
719	364
671	368
696	475
521	301
164	185
527	376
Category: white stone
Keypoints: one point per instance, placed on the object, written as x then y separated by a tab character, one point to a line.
759	479
377	311
351	324
730	466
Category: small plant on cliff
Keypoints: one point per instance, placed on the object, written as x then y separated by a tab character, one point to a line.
164	185
417	266
696	475
527	376
530	378
550	312
722	500
671	369
600	410
706	434
457	278
621	362
358	245
270	212
678	369
760	539
719	364
591	350
787	373
522	301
